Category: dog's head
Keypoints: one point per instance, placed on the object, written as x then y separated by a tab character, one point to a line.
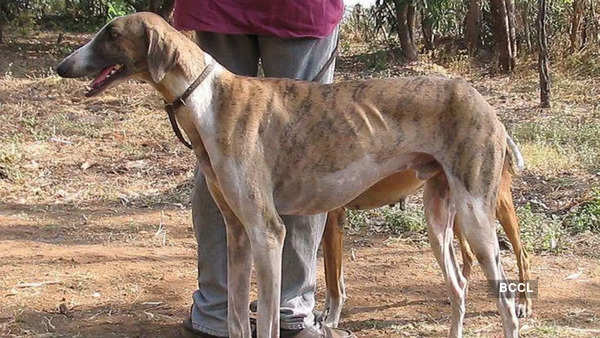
132	45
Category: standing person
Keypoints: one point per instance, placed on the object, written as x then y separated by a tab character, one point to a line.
293	39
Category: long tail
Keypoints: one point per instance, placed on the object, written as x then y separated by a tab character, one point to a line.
515	159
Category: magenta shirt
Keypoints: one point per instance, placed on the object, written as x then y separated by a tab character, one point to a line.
282	18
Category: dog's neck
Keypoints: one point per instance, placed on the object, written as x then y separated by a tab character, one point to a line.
198	116
189	64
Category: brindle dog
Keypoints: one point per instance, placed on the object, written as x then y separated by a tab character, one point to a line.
275	146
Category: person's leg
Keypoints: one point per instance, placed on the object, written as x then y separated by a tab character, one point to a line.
299	264
209	310
237	53
299	59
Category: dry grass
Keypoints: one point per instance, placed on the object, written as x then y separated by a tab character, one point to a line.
60	148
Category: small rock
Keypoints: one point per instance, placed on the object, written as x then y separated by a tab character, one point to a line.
85	165
63	309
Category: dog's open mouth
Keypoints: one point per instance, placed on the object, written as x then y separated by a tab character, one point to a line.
107	76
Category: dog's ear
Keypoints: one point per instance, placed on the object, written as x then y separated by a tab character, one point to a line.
161	55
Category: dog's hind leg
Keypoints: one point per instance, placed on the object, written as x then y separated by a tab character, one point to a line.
505	212
476	223
239	267
333	246
440	213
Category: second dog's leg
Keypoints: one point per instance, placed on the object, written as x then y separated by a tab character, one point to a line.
333	247
440	214
505	212
465	250
238	268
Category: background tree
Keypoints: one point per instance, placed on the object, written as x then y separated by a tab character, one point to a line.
427	28
502	34
576	23
512	33
398	16
406	18
473	26
9	10
524	9
543	56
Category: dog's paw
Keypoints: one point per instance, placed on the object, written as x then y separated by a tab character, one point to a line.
523	309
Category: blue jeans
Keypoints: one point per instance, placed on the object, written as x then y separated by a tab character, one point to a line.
291	58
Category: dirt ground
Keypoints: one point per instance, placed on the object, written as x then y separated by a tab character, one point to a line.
95	227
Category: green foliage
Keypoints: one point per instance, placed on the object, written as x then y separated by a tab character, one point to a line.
411	220
586	217
10	158
66	14
444	15
9	10
580	137
356	219
359	25
390	219
585	63
540	232
447	20
118	8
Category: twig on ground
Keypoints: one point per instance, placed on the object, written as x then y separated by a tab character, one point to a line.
58	140
36	284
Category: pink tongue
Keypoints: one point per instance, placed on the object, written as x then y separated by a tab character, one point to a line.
102	76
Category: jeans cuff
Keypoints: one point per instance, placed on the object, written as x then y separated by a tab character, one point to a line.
210	331
292	326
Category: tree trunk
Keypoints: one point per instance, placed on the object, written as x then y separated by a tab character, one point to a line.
582	42
427	28
595	23
473	26
404	32
68	7
526	28
543	56
1	34
503	45
512	31
577	15
411	21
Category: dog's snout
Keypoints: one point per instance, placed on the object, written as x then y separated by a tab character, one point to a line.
77	64
63	68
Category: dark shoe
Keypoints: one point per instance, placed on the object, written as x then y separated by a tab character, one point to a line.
189	331
313	332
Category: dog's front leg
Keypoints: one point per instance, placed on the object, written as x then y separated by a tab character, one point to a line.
238	268
266	238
